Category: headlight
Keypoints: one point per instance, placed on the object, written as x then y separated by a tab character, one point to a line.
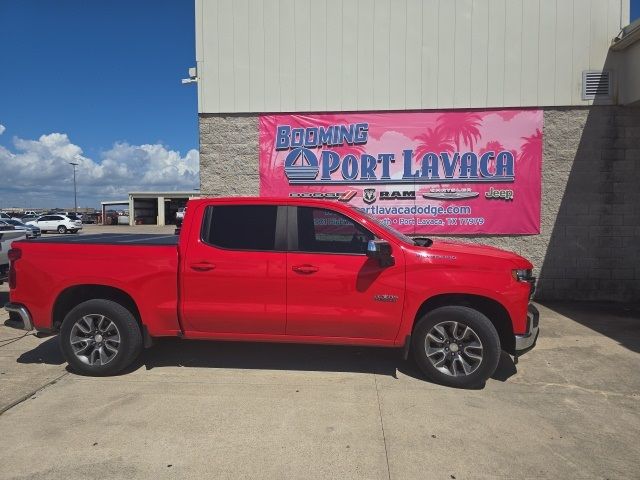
522	275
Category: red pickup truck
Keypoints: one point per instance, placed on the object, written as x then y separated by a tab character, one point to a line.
277	270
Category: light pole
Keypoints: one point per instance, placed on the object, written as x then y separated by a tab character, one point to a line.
75	196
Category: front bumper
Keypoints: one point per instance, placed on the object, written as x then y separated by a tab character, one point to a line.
528	340
19	316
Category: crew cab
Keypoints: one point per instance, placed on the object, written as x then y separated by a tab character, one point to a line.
276	270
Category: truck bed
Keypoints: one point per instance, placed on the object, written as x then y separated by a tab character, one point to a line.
113	239
143	267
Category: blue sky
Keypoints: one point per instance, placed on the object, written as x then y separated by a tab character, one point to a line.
103	73
98	83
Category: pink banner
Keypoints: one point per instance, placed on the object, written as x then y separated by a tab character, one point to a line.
458	172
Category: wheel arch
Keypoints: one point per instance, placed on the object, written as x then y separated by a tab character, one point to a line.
75	295
492	309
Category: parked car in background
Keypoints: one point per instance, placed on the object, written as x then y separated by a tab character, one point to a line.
8	233
32	230
5	216
27	218
90	218
57	223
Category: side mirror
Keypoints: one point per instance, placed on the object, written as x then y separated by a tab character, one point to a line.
380	250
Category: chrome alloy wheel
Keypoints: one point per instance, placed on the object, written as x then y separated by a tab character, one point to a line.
95	339
453	348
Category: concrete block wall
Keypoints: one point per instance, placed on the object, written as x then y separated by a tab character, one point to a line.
229	155
592	161
589	244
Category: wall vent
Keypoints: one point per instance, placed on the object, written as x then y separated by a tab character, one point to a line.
596	84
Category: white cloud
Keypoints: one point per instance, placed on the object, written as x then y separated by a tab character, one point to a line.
37	172
2	129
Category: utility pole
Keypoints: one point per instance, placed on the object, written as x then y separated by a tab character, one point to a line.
75	193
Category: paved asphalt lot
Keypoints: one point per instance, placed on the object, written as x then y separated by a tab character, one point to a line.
569	409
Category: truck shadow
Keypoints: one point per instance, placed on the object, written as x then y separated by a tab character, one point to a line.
270	356
295	357
47	352
171	352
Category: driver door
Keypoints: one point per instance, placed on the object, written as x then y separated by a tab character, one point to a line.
335	290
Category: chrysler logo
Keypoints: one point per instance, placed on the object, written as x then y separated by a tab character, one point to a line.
449	194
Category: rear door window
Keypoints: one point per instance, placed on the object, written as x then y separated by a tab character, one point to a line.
241	227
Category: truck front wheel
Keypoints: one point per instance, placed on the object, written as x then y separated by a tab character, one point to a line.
100	338
456	346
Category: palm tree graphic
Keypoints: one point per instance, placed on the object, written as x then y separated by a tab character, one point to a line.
433	140
532	147
461	127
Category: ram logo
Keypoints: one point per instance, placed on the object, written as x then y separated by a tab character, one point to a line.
369	195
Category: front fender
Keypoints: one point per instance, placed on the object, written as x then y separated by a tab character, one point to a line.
496	286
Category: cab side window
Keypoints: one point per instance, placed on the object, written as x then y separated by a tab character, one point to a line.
325	231
240	227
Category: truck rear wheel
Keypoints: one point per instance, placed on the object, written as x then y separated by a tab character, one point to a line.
100	338
456	346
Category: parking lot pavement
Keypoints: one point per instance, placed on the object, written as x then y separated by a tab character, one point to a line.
229	410
22	369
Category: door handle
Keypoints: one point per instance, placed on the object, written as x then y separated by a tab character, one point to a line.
305	268
202	266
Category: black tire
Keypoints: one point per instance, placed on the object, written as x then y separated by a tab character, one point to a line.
128	329
62	229
73	231
479	324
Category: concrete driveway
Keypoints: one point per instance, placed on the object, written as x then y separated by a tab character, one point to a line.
570	409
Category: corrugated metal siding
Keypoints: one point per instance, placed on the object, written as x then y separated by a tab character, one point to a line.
327	55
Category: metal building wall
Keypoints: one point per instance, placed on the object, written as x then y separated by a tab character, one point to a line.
630	75
340	55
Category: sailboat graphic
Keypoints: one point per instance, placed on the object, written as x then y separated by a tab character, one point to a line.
301	164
